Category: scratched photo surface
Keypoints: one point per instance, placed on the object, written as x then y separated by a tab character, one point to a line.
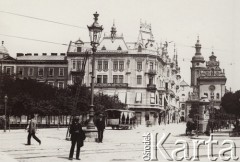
119	80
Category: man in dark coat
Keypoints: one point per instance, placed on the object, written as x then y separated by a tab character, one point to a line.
100	124
77	136
32	126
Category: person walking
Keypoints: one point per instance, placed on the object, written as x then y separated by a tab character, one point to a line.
32	126
77	137
100	124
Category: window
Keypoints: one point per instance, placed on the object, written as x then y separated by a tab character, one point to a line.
166	86
183	106
151	65
120	78
79	64
115	65
105	65
100	65
182	113
183	94
20	71
40	72
150	80
160	99
60	84
79	49
74	64
121	65
212	72
168	73
139	66
212	95
75	79
99	79
50	71
115	78
138	97
104	78
30	71
218	96
139	48
9	70
61	71
139	79
152	98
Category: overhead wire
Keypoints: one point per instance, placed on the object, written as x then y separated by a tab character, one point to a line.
60	23
41	19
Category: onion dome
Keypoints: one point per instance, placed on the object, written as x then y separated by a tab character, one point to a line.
198	56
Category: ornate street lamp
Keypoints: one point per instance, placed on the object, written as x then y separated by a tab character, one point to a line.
5	123
95	31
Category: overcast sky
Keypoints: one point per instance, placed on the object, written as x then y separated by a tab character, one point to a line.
217	22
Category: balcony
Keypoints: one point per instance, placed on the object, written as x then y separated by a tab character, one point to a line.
161	89
151	87
111	85
151	72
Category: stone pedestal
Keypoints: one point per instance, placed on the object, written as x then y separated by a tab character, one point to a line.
91	135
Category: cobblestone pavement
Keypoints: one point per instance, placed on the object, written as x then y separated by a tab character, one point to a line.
118	145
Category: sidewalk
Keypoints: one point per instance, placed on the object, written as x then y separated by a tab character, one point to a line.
117	146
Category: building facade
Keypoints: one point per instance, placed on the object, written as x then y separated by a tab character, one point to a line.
207	82
140	73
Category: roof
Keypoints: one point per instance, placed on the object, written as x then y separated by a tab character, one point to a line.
112	45
183	83
41	58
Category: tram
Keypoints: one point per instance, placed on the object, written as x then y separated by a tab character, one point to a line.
120	119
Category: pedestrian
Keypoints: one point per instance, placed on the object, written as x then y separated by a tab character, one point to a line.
77	136
32	127
100	124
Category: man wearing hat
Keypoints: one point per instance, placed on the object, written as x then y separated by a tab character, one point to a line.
77	137
32	126
100	124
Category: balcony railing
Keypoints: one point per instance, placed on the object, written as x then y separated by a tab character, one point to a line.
151	87
152	72
111	85
161	89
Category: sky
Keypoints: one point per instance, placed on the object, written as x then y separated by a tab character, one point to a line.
217	22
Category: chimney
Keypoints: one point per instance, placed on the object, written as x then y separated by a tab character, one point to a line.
28	54
44	54
63	54
20	54
53	54
35	54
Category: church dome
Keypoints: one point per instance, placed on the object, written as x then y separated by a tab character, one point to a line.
198	58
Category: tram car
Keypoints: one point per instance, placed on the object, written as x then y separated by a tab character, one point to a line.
120	119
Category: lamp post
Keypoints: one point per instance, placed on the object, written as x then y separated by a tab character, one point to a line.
5	123
95	31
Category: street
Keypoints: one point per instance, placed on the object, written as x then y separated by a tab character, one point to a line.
118	145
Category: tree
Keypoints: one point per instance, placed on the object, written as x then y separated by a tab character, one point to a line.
230	103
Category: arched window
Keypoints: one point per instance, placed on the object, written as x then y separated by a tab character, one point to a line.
139	48
212	72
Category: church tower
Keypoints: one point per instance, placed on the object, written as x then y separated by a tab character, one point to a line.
197	64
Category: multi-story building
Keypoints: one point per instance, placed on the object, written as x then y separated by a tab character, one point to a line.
140	73
51	69
207	80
